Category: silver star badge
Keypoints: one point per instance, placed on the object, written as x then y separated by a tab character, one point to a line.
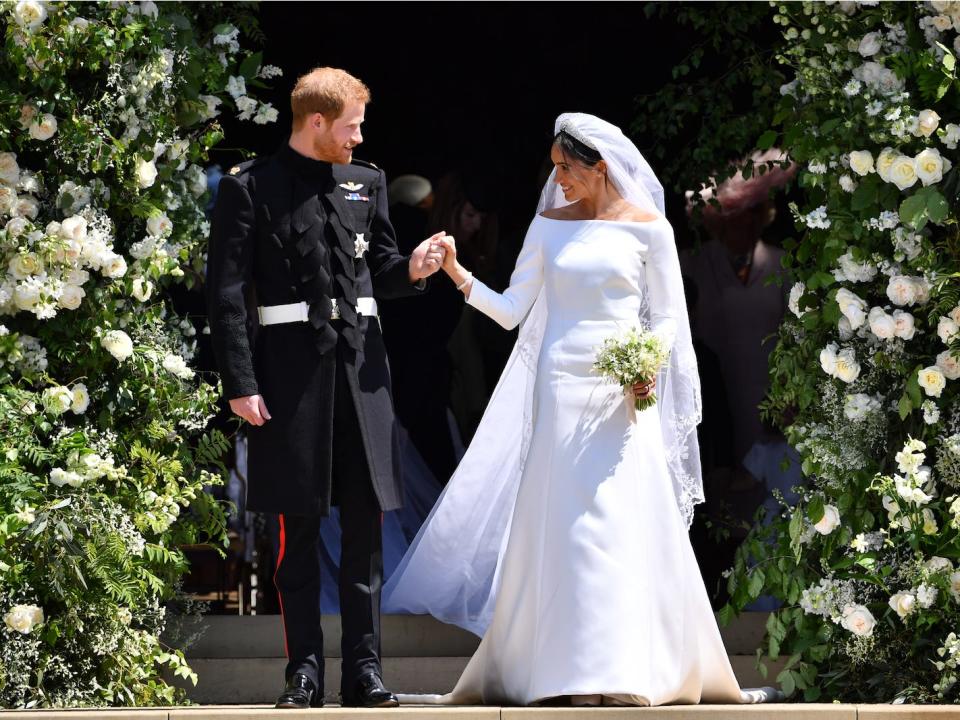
360	246
351	186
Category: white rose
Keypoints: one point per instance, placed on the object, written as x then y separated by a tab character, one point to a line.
858	620
844	329
23	618
71	297
81	399
176	365
902	290
113	266
861	162
947	330
852	307
159	225
74	228
949	365
16	227
869	44
56	400
830	520
8	200
903	603
26	296
931	166
828	359
903	172
955	585
24	265
9	169
885	162
941	22
43	128
79	24
118	344
955	314
146	173
26	206
921	289
905	324
929	121
938	564
932	381
27	113
847	369
847	183
142	289
29	14
881	324
177	149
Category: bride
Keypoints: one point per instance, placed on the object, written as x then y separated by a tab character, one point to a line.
562	537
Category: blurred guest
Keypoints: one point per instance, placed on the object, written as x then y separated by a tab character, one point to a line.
411	198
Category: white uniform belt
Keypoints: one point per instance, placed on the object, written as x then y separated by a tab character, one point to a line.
297	312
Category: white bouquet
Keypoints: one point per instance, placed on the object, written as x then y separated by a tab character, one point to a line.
632	358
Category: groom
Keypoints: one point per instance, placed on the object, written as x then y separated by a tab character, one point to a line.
299	246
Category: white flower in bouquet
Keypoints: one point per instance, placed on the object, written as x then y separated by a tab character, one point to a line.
246	106
858	405
25	265
911	457
26	206
902	290
884	162
196	180
932	381
921	290
930	526
955	314
903	172
56	400
43	127
949	365
29	14
847	368
847	183
927	123
829	522
23	618
632	358
118	344
16	227
931	413
74	228
858	620
796	292
61	477
27	294
881	324
72	198
861	162
931	166
71	297
844	329
9	169
124	616
8	200
941	22
266	113
903	603
817	218
146	172
951	136
236	87
938	564
176	365
828	359
947	330
142	289
905	324
113	266
955	585
869	44
268	72
855	271
213	105
81	399
852	307
159	225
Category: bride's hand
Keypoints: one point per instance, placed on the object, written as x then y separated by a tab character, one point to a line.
449	245
643	390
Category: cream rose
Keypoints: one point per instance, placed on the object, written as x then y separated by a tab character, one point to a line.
858	620
928	121
881	324
885	162
26	206
830	520
949	365
955	585
118	344
71	297
852	307
17	226
113	266
847	368
902	290
43	127
146	173
931	166
861	162
828	359
26	296
903	603
24	265
932	381
29	14
74	228
947	330
23	618
905	324
955	314
81	399
869	44
9	169
61	477
903	172
56	400
159	225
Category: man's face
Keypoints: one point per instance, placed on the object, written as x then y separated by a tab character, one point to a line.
334	141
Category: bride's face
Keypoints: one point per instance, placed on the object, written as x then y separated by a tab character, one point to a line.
575	179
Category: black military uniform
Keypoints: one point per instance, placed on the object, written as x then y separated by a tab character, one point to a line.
288	229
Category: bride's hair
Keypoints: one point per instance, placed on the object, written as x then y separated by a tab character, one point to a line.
572	147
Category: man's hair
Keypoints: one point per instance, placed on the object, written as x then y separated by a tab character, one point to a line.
325	90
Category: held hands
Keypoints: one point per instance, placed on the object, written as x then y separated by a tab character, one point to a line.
461	277
251	408
427	258
643	390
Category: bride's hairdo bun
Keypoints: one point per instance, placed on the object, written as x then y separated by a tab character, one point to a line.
572	147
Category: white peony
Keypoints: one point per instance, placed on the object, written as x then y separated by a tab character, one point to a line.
23	618
9	169
905	324
928	122
947	330
949	365
903	603
861	162
902	290
932	381
43	127
142	289
71	297
29	14
885	162
858	620
903	172
118	344
828	359
847	368
81	399
830	520
869	44
881	324
146	173
159	225
56	400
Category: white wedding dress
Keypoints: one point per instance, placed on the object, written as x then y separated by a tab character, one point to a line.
594	588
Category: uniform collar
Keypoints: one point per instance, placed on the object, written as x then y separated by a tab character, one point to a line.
308	167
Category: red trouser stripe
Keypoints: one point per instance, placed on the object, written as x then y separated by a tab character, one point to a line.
283	618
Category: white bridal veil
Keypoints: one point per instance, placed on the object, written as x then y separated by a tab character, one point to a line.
451	570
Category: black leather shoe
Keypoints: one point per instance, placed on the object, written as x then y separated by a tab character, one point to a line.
370	693
300	694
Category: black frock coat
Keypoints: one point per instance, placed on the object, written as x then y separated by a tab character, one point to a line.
284	230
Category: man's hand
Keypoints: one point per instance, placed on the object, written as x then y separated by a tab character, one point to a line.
251	408
427	258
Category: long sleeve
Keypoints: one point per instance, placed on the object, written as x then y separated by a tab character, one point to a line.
389	269
229	279
665	287
512	305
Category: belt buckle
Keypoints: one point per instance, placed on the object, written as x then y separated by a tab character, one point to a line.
334	309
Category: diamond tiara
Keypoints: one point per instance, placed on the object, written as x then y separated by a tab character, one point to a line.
573	131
